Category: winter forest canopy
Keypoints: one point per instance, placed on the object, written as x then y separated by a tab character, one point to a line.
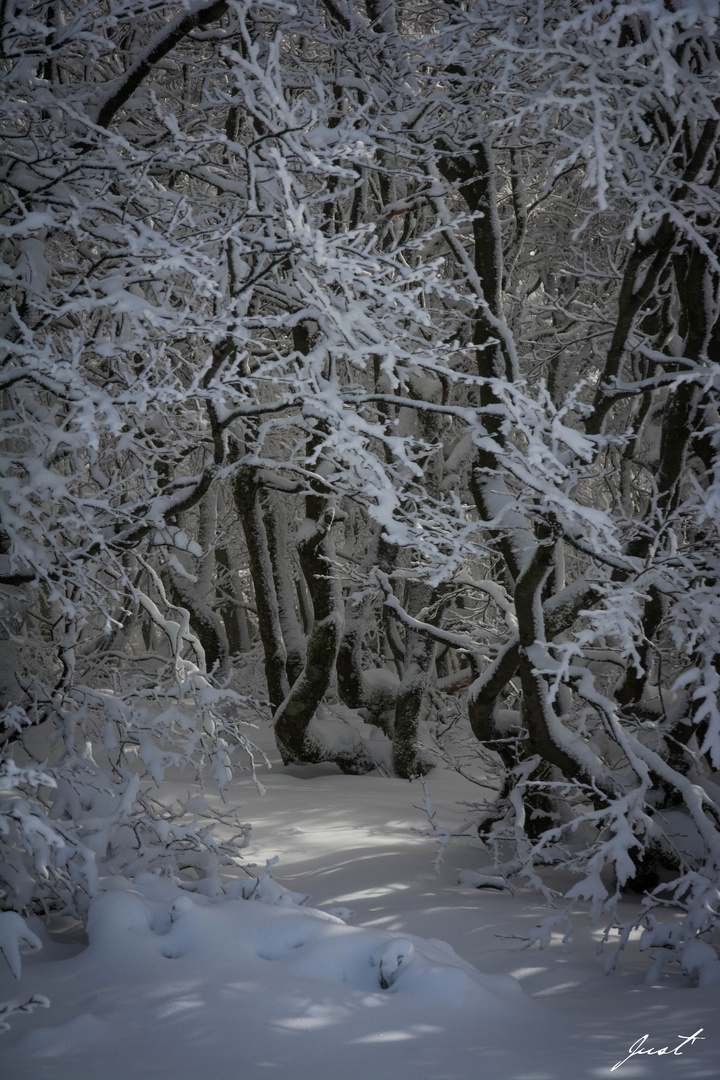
362	371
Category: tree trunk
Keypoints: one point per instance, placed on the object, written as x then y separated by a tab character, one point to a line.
419	661
276	526
245	492
316	551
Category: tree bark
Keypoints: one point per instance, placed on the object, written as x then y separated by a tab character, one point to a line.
247	501
316	551
419	660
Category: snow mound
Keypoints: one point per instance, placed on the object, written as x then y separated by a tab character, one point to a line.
184	970
134	925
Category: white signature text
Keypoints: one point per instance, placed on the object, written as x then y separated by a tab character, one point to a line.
640	1048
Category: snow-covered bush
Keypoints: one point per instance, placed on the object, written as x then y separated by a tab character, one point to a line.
69	826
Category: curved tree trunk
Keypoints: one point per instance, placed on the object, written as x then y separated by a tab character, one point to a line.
358	689
316	551
194	595
205	622
246	494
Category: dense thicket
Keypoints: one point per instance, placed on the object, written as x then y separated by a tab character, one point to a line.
364	359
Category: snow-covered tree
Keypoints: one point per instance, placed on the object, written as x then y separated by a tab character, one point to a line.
373	347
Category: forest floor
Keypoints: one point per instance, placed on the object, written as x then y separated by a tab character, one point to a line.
390	971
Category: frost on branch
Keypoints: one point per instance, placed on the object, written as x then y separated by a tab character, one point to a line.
8	1008
13	934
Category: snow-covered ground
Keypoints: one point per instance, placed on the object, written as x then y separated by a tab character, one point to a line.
390	971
